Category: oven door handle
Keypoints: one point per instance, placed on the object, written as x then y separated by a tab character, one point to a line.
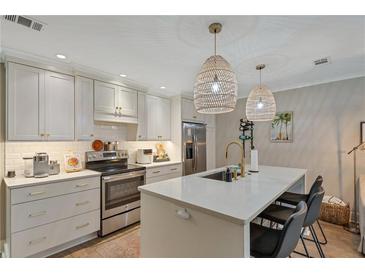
129	175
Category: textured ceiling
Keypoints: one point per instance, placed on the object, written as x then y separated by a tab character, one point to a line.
168	51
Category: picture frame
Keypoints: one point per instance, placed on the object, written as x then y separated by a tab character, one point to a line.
72	162
282	127
362	132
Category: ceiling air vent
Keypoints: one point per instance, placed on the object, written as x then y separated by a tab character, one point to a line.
11	18
26	22
322	61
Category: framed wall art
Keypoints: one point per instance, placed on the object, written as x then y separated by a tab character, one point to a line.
282	127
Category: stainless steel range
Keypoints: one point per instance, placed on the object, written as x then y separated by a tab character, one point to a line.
120	198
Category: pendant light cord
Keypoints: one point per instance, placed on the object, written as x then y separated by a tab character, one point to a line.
215	42
260	78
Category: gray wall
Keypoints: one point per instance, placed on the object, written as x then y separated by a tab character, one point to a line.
326	126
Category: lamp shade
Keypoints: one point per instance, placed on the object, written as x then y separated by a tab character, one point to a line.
260	105
215	89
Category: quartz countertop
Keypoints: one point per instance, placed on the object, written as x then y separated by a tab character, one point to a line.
158	164
21	181
239	201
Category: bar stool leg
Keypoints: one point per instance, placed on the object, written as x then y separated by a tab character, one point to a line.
304	245
324	236
306	254
318	245
322	232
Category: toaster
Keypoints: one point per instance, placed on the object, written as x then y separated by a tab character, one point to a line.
144	156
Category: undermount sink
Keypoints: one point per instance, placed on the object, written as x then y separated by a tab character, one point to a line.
220	176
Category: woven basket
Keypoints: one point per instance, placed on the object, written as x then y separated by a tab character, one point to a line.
335	214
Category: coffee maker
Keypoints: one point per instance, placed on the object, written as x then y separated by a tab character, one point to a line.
40	165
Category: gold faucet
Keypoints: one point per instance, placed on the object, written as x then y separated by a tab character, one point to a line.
242	156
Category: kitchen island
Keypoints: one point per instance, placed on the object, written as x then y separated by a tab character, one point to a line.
193	216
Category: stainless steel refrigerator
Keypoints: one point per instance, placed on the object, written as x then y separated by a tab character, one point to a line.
194	148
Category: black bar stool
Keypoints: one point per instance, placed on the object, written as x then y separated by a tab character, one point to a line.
294	198
273	243
280	214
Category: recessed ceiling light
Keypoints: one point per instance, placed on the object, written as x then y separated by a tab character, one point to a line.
122	75
162	87
60	56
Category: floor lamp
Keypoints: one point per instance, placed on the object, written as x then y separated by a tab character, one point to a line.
353	226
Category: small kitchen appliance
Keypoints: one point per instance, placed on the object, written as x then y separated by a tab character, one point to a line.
120	197
54	168
144	156
40	165
28	166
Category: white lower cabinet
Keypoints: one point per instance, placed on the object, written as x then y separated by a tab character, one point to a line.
38	239
40	218
52	209
161	173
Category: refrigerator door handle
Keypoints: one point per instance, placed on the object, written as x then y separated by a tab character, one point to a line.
195	153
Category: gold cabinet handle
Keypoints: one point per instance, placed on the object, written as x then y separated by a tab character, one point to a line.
155	172
41	213
82	203
91	135
82	185
194	117
35	241
174	168
36	193
81	226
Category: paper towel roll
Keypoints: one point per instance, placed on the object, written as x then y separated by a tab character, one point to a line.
254	161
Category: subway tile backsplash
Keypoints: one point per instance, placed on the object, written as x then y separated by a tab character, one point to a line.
15	151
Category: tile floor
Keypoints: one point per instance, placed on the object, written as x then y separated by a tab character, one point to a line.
125	244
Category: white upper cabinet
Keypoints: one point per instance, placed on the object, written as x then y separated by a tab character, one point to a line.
59	106
127	102
113	103
105	98
142	118
40	104
84	106
158	116
25	97
189	114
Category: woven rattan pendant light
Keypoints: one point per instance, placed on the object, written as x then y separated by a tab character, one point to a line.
260	105
215	89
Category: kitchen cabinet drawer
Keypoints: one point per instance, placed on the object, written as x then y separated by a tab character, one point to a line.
32	193
28	215
35	240
163	170
157	179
